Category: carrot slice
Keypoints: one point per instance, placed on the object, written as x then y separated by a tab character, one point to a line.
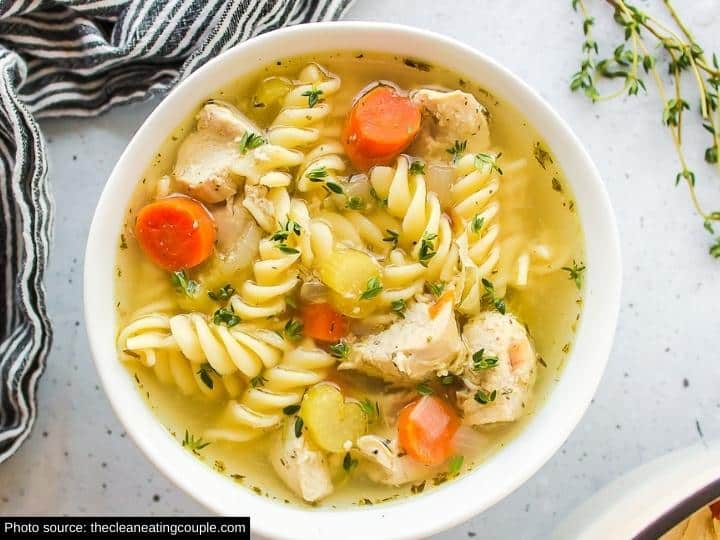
380	126
322	322
715	509
426	429
175	232
437	307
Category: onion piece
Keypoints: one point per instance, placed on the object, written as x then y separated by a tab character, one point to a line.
440	177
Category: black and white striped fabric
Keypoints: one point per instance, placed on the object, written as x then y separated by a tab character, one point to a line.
79	58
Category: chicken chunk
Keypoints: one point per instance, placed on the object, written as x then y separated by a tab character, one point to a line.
411	349
206	156
504	363
304	470
449	117
386	463
238	235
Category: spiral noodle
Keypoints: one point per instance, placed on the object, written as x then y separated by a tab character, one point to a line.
408	200
261	407
185	349
276	275
475	209
296	126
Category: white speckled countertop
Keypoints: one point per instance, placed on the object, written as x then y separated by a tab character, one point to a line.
660	391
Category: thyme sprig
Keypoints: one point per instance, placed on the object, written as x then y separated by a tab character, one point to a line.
632	62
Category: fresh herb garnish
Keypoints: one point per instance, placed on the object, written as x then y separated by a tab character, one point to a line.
577	273
491	298
318	174
483	398
482	161
250	141
455	464
392	237
349	463
182	282
340	350
424	389
223	293
313	96
715	249
334	188
225	317
291	409
371	409
477	223
633	60
192	443
417	167
427	249
481	361
542	156
374	287
437	288
417	64
204	372
258	381
298	426
457	149
355	203
447	379
293	329
399	306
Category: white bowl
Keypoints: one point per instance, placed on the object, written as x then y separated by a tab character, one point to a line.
650	500
459	500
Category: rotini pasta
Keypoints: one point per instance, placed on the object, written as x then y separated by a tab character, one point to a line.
186	349
322	257
261	406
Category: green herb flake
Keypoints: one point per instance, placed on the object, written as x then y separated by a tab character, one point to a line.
392	237
482	361
542	156
192	443
225	317
437	288
576	273
291	409
318	174
374	288
204	372
417	64
477	223
455	464
491	298
223	293
427	249
182	283
417	167
399	306
349	463
483	398
485	161
250	141
447	379
457	149
298	426
313	96
293	330
424	388
258	381
354	203
340	350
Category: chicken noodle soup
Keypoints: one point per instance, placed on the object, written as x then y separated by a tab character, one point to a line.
348	278
702	525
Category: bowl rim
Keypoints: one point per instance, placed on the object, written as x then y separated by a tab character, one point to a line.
459	500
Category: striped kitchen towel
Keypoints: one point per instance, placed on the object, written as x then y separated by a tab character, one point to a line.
79	58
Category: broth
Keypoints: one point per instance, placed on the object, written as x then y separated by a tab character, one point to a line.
535	208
